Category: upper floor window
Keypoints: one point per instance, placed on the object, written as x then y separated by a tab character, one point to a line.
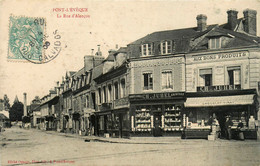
109	94
147	49
99	96
116	90
205	77
148	81
234	75
167	79
104	95
166	47
215	43
122	82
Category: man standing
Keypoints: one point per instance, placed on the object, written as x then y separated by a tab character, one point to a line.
228	125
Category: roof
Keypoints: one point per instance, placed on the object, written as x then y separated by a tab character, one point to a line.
173	34
79	73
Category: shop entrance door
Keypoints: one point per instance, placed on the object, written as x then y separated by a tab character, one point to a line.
157	125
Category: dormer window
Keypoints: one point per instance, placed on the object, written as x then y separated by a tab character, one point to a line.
215	43
147	49
166	47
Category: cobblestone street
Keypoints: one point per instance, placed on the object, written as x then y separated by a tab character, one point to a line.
34	147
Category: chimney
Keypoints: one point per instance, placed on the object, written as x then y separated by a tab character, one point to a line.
88	62
201	22
58	88
24	104
99	53
92	51
232	19
250	21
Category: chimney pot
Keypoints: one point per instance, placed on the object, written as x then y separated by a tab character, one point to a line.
201	22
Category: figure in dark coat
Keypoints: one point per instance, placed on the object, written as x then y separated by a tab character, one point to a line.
228	125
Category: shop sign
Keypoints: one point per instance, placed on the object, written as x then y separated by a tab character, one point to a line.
220	56
218	88
157	95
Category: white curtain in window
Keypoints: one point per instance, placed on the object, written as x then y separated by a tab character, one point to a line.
237	77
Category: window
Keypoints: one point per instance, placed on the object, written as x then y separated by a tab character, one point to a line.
116	90
122	88
167	80
147	49
215	43
109	95
148	81
104	95
99	96
87	102
166	47
234	75
205	77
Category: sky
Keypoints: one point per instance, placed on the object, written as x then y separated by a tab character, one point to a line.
106	23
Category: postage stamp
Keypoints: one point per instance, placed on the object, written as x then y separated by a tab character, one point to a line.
26	39
29	42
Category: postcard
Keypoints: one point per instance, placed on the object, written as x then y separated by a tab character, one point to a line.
122	82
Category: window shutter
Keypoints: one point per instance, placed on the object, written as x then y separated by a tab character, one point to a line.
173	46
159	48
153	49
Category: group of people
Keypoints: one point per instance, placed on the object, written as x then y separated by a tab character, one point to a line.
226	127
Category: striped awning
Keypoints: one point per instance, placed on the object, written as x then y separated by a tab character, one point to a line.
219	101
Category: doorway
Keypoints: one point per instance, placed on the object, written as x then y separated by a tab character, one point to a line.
157	125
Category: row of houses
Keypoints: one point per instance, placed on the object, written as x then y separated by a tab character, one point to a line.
168	83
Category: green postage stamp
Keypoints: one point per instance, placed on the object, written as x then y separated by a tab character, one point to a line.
26	39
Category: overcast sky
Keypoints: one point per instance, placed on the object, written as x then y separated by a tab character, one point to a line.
110	23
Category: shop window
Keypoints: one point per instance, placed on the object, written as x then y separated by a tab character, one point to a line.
148	81
215	43
147	49
234	75
205	76
109	122
166	47
101	123
122	88
109	95
116	90
167	80
99	95
126	121
104	96
143	120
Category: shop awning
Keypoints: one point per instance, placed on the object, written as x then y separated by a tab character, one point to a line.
219	101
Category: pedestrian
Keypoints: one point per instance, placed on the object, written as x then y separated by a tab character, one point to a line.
228	125
240	132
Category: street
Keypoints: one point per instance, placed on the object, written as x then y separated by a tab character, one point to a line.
34	147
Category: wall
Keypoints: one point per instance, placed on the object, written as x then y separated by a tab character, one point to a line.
218	61
156	66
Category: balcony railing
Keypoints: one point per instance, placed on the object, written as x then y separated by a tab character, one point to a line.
218	88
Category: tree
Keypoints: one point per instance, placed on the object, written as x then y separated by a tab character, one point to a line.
6	102
16	111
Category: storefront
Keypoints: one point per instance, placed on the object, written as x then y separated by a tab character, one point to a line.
202	107
113	123
157	114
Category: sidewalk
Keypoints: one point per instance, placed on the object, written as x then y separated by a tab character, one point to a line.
139	140
131	140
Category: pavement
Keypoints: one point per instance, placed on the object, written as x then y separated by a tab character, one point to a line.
131	140
35	148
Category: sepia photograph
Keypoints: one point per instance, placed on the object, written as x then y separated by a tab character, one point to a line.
129	83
